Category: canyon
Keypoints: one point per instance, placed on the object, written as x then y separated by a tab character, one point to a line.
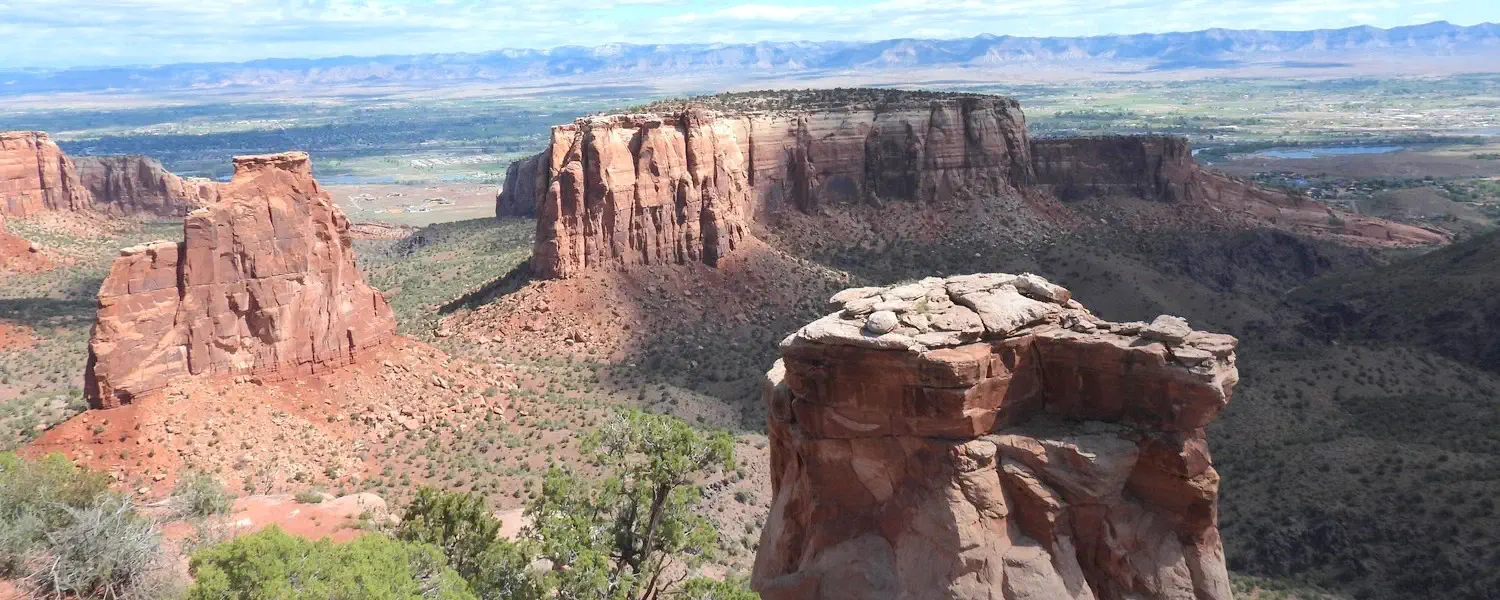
986	436
687	183
264	283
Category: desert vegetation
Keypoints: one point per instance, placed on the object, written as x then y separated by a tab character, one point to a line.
636	532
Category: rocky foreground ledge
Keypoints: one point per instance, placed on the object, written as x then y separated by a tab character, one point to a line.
986	436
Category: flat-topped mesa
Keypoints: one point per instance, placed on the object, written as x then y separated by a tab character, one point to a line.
687	185
1162	168
264	283
135	185
986	436
35	176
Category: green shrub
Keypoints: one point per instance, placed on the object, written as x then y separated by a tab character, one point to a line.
64	534
107	551
200	495
308	498
616	538
461	525
272	564
35	498
702	588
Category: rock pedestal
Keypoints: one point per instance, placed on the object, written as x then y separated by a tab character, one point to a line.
263	283
999	441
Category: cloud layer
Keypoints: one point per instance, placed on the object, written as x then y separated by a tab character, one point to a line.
59	33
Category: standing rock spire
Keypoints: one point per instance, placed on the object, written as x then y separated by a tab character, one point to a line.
263	283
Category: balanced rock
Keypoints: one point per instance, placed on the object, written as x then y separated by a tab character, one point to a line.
35	176
264	283
1007	457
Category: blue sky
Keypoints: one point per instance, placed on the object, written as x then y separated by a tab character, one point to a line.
59	33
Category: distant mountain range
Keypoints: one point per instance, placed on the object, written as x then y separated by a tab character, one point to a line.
1212	48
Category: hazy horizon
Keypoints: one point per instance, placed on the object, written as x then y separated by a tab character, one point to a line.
56	34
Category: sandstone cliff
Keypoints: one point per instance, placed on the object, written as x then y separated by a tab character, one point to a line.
132	185
36	176
1162	168
264	282
518	196
985	436
686	186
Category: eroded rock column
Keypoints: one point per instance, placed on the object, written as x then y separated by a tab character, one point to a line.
263	283
986	436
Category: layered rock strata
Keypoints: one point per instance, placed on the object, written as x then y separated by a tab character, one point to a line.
36	176
686	187
264	283
1162	168
136	185
986	436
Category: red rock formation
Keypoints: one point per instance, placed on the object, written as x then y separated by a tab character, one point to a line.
985	436
518	196
1162	168
685	187
131	185
263	283
36	176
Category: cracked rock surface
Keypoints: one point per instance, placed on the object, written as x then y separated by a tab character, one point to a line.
989	437
264	283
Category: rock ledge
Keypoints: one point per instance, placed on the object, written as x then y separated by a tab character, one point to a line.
1000	441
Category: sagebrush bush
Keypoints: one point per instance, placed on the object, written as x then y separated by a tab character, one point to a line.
107	551
200	495
64	534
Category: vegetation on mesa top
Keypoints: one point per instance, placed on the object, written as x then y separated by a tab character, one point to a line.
803	99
